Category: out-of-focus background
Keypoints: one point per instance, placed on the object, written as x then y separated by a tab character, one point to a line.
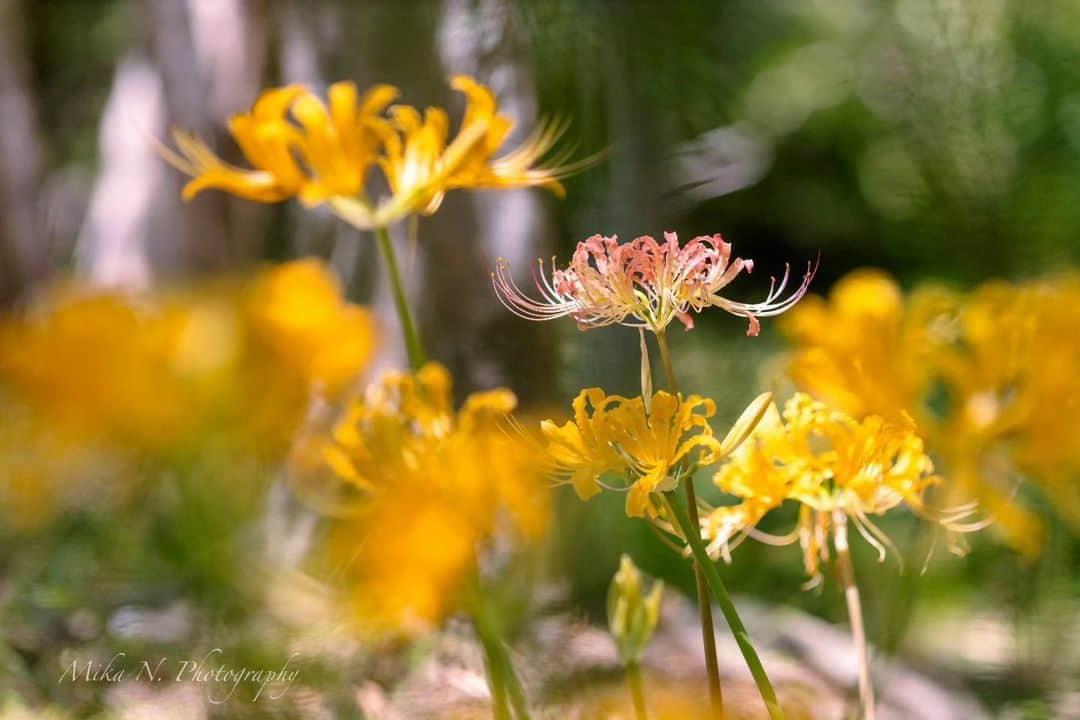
935	139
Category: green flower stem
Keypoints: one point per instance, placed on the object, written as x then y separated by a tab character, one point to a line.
506	691
692	533
637	690
413	343
500	707
708	629
665	358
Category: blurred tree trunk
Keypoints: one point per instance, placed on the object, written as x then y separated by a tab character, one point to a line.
486	39
232	40
303	49
24	256
638	170
113	246
418	46
200	229
210	55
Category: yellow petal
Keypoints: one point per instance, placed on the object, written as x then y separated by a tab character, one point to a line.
342	97
254	185
311	113
377	98
274	103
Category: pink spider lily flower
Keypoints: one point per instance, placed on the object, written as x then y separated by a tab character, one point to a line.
643	283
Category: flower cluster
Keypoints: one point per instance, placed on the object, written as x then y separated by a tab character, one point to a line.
988	377
1011	370
649	443
142	370
836	467
92	380
299	146
611	434
429	486
643	283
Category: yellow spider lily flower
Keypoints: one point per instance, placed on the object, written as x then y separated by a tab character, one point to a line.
830	463
147	371
432	487
859	349
299	310
421	166
98	386
617	435
300	147
297	146
1010	368
989	378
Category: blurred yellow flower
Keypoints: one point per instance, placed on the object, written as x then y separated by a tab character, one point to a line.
299	147
95	365
1010	370
43	474
147	370
988	377
836	467
858	350
1048	446
296	145
621	436
299	309
92	380
432	487
421	167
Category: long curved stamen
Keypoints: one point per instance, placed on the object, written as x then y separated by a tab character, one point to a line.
775	540
551	305
770	306
875	537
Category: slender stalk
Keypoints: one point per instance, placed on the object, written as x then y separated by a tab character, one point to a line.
637	690
665	358
513	686
692	534
413	344
500	707
507	695
708	630
854	607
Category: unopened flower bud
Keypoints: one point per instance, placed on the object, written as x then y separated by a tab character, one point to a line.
632	616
